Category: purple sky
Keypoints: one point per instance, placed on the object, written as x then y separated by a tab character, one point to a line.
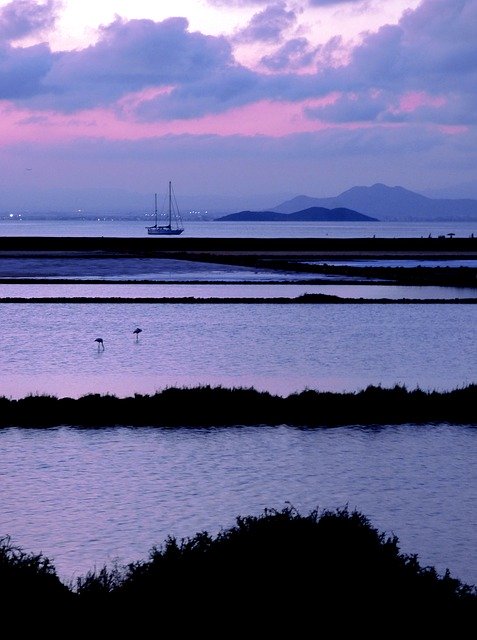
238	97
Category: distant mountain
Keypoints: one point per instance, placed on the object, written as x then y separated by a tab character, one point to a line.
312	214
388	203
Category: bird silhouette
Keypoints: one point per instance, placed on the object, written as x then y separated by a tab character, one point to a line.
137	332
100	343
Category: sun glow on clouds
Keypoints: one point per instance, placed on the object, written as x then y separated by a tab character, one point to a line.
274	119
363	75
78	22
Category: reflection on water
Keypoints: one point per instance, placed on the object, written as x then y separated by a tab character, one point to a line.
86	497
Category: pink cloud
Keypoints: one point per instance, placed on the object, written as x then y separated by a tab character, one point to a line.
274	119
265	117
415	99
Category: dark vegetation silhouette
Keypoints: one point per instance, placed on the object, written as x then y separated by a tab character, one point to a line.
413	276
277	569
29	577
206	406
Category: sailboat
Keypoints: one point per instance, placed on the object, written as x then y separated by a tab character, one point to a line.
175	225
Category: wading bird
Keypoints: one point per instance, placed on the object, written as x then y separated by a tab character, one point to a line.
100	343
137	332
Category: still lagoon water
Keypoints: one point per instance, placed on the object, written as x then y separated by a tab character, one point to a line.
88	497
51	348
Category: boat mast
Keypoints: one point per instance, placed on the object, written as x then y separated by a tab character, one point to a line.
170	205
155	210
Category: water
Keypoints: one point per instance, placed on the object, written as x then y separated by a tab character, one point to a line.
183	278
231	290
50	348
213	229
134	269
182	273
87	497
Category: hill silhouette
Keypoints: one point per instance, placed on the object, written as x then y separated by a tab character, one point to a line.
388	203
311	214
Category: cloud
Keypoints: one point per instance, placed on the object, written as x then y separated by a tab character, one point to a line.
251	3
433	49
236	3
178	74
22	71
327	3
131	56
21	18
222	90
294	54
268	25
352	108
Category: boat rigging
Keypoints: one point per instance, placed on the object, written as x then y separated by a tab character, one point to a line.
175	226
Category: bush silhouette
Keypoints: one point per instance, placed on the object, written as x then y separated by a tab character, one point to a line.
307	566
27	578
273	573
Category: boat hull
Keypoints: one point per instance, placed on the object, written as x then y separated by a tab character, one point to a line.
154	231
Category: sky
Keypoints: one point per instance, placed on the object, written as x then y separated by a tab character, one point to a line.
237	97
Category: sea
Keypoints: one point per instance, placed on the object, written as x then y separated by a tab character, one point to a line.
106	227
86	498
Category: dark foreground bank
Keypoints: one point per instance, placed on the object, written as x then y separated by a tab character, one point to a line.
201	248
206	406
281	570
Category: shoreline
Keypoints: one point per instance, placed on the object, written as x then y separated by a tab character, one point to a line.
310	298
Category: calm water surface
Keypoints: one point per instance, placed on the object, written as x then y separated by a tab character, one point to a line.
231	290
50	348
87	497
213	229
